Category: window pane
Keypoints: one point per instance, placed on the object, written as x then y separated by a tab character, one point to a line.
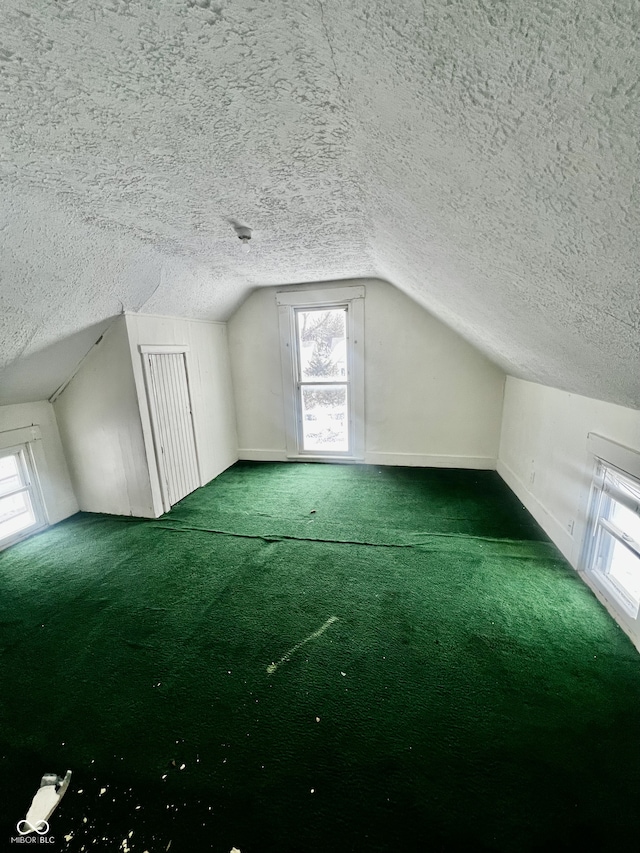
10	478
625	520
16	514
623	569
322	343
324	418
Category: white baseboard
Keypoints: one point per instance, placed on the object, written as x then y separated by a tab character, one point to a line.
251	454
548	522
430	460
222	465
414	460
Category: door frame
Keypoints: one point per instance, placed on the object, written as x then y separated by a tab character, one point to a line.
166	349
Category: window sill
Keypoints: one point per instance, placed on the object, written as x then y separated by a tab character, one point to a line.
311	457
23	534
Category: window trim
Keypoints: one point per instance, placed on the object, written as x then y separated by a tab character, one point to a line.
288	301
31	486
623	461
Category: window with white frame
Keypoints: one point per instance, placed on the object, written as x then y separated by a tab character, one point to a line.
20	506
323	379
612	552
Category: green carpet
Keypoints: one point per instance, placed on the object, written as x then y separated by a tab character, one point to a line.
469	694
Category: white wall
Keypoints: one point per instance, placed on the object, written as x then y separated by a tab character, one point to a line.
101	431
57	492
430	398
104	420
544	458
210	385
254	349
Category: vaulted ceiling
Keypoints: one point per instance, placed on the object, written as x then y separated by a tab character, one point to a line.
482	156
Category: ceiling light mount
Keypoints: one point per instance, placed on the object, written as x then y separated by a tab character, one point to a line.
244	235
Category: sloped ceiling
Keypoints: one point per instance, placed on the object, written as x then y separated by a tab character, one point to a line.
481	156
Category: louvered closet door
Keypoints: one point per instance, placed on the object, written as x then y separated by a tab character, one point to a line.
172	420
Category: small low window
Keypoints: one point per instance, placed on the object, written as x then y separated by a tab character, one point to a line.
20	510
613	552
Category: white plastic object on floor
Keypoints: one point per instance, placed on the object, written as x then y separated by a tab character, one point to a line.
51	791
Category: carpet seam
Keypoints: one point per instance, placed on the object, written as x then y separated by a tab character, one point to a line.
276	537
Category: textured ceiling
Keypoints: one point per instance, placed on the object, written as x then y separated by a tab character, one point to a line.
481	156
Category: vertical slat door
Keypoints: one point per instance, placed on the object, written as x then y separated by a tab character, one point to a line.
172	421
